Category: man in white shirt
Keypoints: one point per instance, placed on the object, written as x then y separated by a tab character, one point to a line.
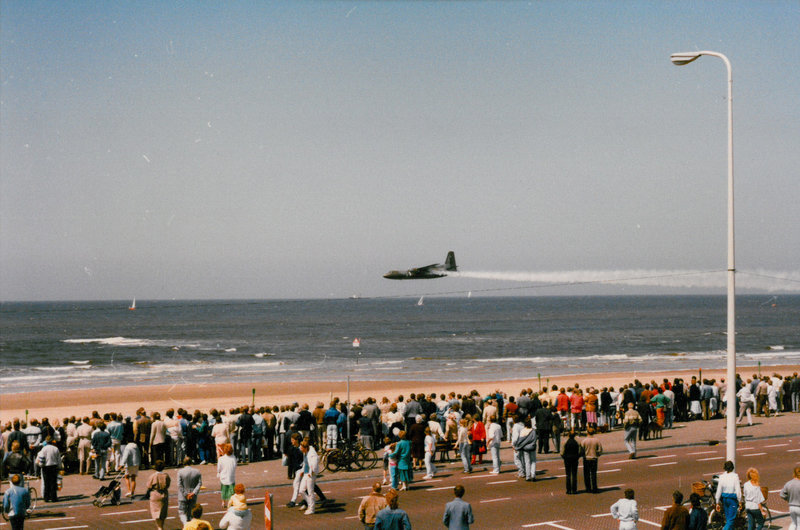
309	471
626	511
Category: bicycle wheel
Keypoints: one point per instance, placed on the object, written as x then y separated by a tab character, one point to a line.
5	515
370	458
353	460
332	463
34	498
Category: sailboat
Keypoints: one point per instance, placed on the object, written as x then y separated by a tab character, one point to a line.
421	300
132	307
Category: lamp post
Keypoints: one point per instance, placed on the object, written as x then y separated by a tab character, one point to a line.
680	59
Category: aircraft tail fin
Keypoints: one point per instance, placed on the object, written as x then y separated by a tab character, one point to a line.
450	262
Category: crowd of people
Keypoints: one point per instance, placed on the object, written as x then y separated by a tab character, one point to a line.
410	430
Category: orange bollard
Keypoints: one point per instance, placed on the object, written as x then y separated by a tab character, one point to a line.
268	510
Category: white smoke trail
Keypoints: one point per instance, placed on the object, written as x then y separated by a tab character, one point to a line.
760	280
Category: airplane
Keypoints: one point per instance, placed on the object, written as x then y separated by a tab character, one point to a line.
436	270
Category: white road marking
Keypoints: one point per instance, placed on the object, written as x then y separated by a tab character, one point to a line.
628	461
776	445
441	488
496	500
711	458
702	453
609	471
792	450
502	482
120	513
649	522
68	527
755	454
664	464
602	515
665	456
554	524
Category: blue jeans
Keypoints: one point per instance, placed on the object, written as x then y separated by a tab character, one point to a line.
730	507
755	519
466	456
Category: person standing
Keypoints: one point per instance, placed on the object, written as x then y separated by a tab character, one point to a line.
494	436
310	471
464	446
402	453
626	511
131	459
543	428
698	518
101	443
630	422
189	482
226	472
571	453
729	494
525	446
676	517
16	501
753	499
791	494
370	506
592	450
158	486
392	517
430	449
458	512
49	460
159	438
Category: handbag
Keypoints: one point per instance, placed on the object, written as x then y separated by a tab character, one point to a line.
285	461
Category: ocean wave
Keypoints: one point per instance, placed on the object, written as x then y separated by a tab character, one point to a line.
62	368
112	341
514	360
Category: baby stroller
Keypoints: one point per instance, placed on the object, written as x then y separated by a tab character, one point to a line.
112	490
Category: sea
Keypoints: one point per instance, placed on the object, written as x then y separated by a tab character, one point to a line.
63	345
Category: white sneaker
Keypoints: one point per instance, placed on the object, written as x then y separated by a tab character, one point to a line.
427	477
309	512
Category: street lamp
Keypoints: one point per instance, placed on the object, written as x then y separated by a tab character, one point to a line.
680	59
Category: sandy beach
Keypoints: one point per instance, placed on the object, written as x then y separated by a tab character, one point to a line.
204	396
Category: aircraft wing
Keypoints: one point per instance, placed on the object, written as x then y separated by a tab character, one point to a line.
425	269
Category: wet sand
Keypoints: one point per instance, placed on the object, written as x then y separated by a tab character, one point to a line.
205	396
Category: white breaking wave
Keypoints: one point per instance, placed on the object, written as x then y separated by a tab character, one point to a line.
761	279
112	341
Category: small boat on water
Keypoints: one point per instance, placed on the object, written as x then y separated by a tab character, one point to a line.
132	307
356	342
421	300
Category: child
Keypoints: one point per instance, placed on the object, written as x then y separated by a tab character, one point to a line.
238	501
386	452
430	449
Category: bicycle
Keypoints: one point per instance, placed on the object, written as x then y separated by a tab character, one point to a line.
34	497
716	519
352	456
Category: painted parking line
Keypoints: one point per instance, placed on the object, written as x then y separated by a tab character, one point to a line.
440	488
711	458
120	513
69	527
602	515
755	454
554	524
664	464
502	482
55	519
645	521
496	500
776	445
665	456
626	461
702	453
792	450
608	471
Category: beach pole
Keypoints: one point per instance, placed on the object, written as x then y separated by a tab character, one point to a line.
539	375
254	398
348	408
681	59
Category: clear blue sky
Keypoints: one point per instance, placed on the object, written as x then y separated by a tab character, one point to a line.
302	149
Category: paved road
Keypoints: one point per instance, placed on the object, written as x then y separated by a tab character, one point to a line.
499	501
